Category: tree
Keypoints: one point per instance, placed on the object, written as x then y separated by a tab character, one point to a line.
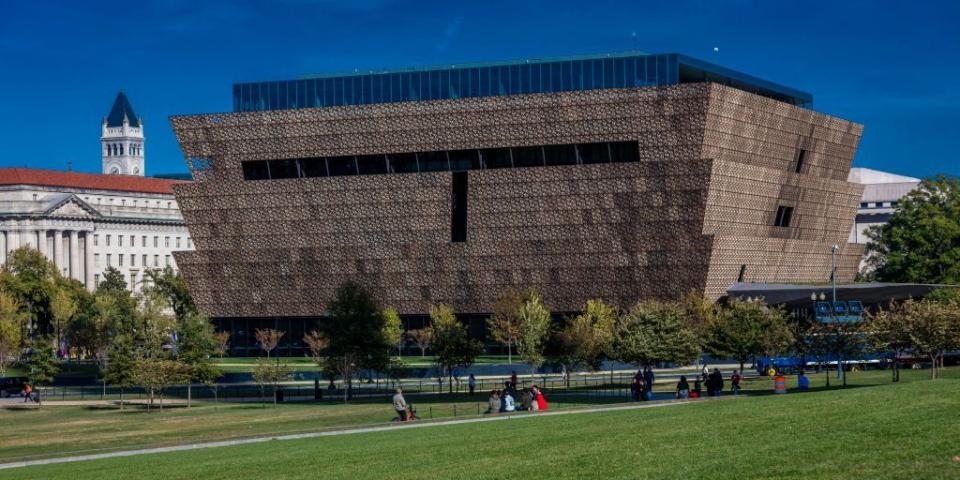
316	343
701	313
63	307
652	332
585	339
933	328
534	330
170	284
393	328
269	373
354	333
888	331
41	363
196	344
156	375
11	329
504	322
422	337
121	365
746	330
920	243
452	346
223	343
268	339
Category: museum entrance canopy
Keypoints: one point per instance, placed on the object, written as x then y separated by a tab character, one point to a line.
623	70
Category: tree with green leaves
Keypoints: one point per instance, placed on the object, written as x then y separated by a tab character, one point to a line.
534	331
196	345
585	339
355	334
170	284
504	321
63	308
701	313
920	243
651	332
933	327
452	346
746	330
393	328
11	329
121	365
41	365
31	279
158	374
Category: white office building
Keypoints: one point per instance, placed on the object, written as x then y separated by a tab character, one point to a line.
85	223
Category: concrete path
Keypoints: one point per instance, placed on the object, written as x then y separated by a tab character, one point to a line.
329	433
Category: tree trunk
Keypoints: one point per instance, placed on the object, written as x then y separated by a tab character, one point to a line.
189	394
826	372
741	369
121	399
161	401
509	355
933	369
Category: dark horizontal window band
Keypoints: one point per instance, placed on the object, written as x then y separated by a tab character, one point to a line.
443	161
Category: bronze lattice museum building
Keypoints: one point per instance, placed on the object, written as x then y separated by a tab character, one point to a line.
619	177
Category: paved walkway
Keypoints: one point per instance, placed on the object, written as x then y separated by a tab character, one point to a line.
330	433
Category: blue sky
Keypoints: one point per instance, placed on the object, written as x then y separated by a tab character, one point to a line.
892	66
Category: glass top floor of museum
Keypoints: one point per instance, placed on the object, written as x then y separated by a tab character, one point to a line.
624	70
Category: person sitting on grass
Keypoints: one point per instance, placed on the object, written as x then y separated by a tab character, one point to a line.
493	402
683	388
508	403
400	405
541	400
526	398
803	382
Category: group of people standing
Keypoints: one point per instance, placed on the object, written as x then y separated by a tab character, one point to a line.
641	388
712	380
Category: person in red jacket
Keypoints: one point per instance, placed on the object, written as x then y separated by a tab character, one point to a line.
541	400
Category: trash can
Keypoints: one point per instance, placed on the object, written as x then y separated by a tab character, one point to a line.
279	394
780	384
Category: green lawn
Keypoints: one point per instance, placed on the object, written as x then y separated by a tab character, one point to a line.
909	430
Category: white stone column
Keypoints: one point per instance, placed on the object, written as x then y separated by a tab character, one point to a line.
88	260
3	247
42	242
58	249
14	237
74	255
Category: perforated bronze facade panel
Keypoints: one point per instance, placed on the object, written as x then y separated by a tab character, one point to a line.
715	164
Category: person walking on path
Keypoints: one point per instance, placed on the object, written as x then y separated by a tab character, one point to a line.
472	384
735	382
400	405
27	393
683	388
635	388
648	384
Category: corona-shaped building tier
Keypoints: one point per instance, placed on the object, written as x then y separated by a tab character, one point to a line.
621	177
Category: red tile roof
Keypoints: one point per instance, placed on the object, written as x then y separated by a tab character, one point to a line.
92	181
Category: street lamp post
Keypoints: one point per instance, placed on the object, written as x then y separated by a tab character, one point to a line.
833	308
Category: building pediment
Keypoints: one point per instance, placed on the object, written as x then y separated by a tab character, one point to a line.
70	205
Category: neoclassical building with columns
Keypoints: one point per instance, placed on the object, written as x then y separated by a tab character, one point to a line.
86	223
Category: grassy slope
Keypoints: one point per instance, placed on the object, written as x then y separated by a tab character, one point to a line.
890	431
66	430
